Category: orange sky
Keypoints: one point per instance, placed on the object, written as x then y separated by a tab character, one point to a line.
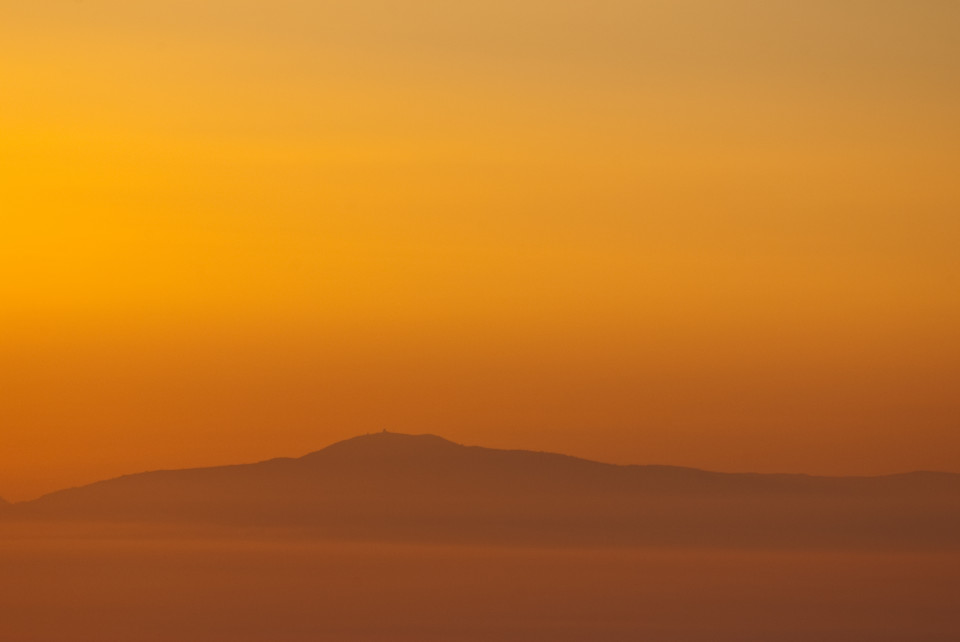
712	234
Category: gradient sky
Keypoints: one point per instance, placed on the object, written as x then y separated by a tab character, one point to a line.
715	234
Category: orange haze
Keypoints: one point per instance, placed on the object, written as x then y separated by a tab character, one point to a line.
721	235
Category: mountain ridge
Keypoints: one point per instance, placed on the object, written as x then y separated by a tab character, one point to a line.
381	438
426	488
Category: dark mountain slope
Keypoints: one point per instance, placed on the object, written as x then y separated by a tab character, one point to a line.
391	486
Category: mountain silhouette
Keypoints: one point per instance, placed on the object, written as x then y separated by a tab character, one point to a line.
389	486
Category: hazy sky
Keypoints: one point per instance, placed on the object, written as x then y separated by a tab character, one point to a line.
716	234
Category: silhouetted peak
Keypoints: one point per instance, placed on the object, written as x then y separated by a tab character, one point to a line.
386	445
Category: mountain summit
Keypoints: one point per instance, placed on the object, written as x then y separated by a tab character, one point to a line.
393	486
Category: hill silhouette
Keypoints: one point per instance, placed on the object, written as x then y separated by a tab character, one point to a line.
390	486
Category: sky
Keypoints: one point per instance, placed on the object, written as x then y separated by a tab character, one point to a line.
720	235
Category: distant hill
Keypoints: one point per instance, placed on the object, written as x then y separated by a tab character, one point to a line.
389	486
